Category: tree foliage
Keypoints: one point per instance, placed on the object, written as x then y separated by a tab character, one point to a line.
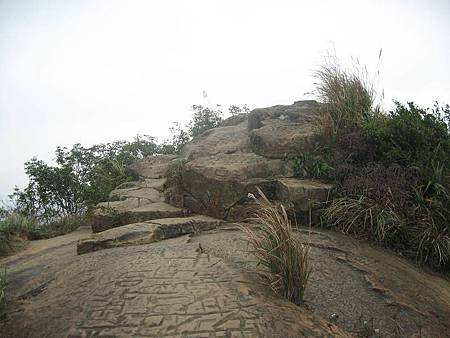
204	118
80	178
83	176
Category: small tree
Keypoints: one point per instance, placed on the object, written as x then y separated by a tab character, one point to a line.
204	118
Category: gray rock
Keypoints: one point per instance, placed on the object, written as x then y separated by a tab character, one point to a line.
146	232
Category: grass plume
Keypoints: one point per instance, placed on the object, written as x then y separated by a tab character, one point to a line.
285	260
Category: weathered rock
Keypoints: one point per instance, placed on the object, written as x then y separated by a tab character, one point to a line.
218	182
146	232
226	140
118	206
283	131
301	193
235	120
152	166
128	185
107	218
149	194
117	194
155	183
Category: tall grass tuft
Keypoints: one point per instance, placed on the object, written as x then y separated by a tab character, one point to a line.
285	260
362	217
3	283
348	95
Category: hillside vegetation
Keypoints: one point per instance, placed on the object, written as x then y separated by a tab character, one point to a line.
391	170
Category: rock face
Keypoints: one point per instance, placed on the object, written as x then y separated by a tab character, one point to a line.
217	170
219	182
282	131
222	140
224	164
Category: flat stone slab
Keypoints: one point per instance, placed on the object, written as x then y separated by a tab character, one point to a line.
144	193
110	218
106	208
147	232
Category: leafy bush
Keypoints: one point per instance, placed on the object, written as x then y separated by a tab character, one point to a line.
286	261
411	136
81	178
236	110
391	171
392	180
312	165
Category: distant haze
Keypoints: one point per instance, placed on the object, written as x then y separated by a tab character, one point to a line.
98	71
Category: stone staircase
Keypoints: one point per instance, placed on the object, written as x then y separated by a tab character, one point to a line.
137	213
213	176
138	201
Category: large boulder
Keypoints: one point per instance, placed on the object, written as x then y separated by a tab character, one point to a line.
302	194
152	167
229	139
215	184
224	164
283	131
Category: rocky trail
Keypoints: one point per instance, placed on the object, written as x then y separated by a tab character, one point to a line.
165	258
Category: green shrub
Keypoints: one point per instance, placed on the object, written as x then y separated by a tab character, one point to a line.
81	178
204	118
411	136
391	170
285	260
14	228
311	165
18	225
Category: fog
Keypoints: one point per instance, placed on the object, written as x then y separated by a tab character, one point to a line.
98	71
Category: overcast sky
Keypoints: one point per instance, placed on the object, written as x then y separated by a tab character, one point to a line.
98	71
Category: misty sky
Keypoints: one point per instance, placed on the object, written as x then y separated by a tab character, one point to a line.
98	71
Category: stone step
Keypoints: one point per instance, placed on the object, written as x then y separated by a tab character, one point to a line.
302	193
155	183
147	232
149	194
113	214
